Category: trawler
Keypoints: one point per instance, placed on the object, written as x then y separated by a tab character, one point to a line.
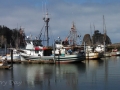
63	51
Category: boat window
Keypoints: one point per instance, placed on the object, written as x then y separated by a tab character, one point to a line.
28	41
36	51
65	43
58	42
37	43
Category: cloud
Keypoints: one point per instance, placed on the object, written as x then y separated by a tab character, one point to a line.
62	14
84	14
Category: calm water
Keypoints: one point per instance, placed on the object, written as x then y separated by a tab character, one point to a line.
89	75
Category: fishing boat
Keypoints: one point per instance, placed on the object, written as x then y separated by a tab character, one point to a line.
65	53
91	54
35	51
16	55
115	52
94	55
68	50
107	54
62	52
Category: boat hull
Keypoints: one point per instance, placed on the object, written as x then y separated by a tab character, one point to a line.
117	53
107	54
9	57
62	59
94	55
69	58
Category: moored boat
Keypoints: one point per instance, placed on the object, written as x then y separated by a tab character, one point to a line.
115	52
107	54
63	51
94	55
91	54
16	55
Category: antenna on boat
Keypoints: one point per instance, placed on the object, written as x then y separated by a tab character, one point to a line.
91	33
94	27
42	9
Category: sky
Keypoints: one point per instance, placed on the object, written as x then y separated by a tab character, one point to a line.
29	14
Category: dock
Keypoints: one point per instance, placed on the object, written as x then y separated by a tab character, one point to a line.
31	62
5	67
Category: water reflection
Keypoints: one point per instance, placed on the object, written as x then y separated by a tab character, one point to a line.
93	64
90	74
50	75
70	74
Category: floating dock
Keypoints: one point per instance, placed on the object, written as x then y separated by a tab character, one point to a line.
5	67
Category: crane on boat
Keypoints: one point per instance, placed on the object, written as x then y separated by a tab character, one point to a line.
72	36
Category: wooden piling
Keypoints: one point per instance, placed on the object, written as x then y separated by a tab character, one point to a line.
11	58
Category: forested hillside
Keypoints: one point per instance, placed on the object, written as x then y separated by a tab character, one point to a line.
11	37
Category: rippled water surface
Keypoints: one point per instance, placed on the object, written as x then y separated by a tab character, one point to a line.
88	75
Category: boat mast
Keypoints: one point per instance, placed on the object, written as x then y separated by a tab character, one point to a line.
104	30
91	35
73	36
103	25
46	20
104	33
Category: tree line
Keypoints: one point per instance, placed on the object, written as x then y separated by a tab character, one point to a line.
12	38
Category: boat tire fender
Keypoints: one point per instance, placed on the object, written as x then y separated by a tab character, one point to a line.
39	55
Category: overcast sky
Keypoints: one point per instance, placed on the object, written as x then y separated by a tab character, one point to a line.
29	15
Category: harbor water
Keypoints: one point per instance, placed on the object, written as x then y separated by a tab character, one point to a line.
101	74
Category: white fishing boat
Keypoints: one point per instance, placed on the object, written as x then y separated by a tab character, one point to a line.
34	51
94	55
16	55
58	59
63	52
115	52
91	54
68	50
107	54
